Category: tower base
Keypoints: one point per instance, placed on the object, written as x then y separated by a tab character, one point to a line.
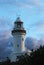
14	56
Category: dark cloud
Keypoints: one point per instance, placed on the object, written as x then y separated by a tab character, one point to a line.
32	43
5	48
41	41
5	44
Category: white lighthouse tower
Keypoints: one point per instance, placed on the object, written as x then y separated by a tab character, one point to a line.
18	33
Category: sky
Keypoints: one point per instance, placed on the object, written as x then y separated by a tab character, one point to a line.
31	13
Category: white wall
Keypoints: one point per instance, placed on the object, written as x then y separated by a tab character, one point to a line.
17	40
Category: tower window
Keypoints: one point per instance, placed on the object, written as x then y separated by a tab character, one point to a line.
18	25
22	39
17	45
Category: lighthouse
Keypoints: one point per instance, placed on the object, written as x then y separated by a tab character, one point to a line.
18	34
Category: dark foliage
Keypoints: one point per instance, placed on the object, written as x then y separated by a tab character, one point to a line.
36	57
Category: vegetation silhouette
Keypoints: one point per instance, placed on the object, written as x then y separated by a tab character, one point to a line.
35	58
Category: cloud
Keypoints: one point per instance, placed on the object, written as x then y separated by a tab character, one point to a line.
20	4
5	45
37	2
5	24
41	41
38	26
32	43
5	34
38	29
40	23
23	3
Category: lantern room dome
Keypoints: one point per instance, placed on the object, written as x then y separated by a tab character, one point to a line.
18	20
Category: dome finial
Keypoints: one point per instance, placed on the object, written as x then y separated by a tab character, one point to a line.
18	19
